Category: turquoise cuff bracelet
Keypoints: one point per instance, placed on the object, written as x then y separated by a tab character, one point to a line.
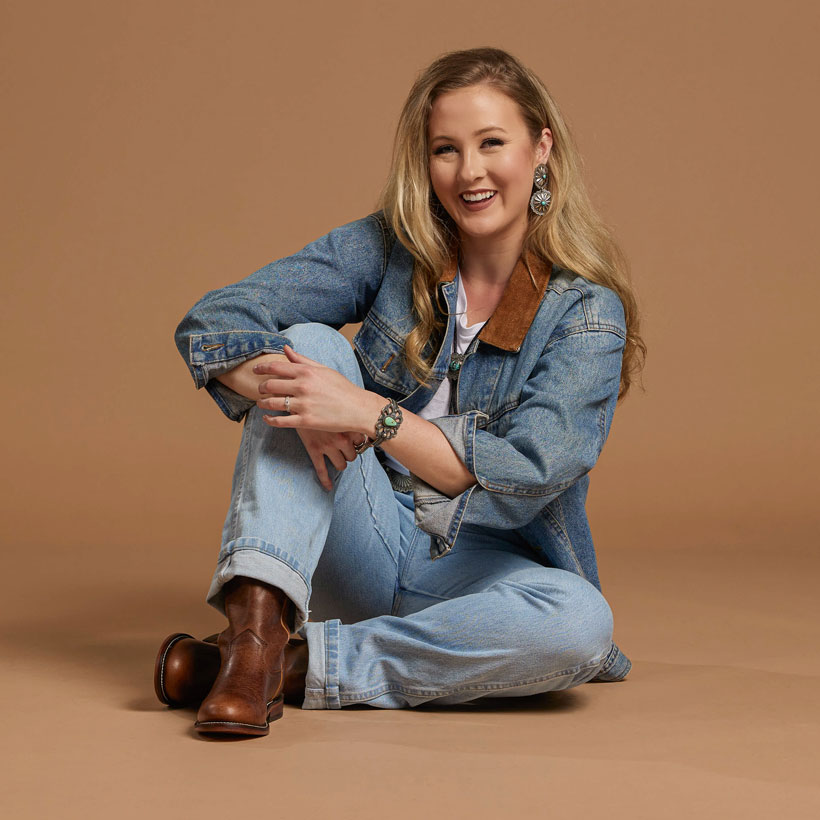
386	427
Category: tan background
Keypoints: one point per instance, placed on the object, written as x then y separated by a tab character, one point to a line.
154	151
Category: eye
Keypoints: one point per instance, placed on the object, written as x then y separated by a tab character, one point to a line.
493	141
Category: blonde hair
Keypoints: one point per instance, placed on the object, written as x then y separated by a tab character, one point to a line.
570	234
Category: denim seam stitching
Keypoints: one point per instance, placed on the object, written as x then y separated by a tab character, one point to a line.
425	594
377	375
225	407
234	550
240	490
459	515
382	326
553	523
248	354
383	227
393	686
597	327
372	509
611	659
509	489
412	547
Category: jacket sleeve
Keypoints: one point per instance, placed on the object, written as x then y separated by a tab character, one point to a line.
552	438
332	280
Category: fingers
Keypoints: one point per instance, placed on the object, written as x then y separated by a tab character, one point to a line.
284	421
317	456
347	449
275	402
279	387
299	357
294	356
337	460
280	368
319	465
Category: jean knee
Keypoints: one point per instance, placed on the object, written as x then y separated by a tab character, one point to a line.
326	346
594	618
578	620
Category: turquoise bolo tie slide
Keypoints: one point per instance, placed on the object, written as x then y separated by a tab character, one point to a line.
455	366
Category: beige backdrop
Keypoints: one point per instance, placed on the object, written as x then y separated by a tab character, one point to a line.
154	151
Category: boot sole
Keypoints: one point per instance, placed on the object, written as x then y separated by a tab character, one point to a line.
233	727
159	668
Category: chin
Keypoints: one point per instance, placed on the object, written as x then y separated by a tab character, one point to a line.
483	229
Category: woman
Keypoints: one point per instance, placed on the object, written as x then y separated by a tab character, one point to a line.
423	492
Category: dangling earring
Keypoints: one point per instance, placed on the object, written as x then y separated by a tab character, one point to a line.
540	200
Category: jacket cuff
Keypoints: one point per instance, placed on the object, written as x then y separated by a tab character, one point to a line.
231	403
211	354
435	512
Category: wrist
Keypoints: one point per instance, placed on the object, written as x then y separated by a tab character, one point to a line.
386	426
371	408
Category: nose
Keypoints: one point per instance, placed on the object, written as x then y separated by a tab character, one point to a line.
471	167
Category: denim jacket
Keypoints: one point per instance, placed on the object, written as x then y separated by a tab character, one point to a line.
534	400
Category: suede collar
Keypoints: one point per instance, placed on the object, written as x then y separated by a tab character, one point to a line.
511	319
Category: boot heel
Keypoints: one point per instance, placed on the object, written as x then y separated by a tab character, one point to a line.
277	708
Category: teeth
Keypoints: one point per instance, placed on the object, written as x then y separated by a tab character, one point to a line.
478	197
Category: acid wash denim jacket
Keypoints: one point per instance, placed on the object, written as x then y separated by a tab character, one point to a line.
534	399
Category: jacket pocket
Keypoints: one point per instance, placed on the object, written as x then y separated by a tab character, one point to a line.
381	353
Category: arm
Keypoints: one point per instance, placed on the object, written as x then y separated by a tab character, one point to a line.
420	446
332	280
541	447
243	381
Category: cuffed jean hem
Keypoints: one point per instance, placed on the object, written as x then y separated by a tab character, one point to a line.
615	667
397	695
322	678
255	558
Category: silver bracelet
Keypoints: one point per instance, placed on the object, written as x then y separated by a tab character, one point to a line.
386	427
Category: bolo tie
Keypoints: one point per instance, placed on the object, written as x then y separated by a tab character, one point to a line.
453	372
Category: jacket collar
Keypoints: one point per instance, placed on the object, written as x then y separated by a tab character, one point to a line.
511	319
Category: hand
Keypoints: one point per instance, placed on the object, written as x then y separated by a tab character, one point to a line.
338	447
321	397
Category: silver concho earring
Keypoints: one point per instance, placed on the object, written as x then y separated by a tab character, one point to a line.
540	200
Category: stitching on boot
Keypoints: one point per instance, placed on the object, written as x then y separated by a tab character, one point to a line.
162	665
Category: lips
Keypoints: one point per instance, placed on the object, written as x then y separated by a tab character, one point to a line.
480	196
479	205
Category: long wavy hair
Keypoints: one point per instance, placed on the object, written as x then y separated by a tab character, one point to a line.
570	234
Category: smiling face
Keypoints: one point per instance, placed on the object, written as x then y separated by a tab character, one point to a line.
481	160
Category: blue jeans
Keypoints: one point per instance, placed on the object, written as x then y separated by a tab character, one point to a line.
390	627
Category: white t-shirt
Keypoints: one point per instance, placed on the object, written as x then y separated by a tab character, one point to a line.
439	405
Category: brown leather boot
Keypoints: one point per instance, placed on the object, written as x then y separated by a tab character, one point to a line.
296	664
186	669
247	693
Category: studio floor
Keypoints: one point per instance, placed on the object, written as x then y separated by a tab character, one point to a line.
718	718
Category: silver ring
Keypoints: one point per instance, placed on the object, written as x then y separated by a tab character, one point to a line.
287	404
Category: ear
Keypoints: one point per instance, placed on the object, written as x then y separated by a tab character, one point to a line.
544	146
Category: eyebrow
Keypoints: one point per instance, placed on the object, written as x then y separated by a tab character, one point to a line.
475	133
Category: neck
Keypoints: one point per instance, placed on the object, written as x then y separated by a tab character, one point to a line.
489	263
